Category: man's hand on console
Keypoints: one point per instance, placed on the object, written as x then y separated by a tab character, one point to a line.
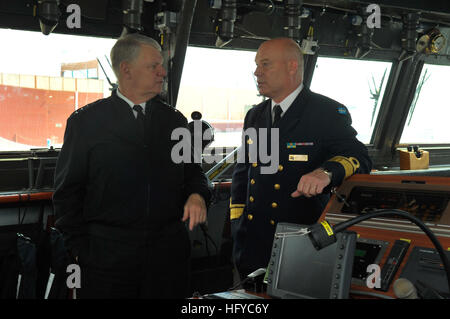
312	184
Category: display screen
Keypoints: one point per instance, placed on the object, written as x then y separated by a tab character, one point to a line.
365	254
360	253
303	271
298	270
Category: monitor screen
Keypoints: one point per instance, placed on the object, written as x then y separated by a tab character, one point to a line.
298	270
367	252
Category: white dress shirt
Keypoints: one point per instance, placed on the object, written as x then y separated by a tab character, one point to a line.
287	102
130	103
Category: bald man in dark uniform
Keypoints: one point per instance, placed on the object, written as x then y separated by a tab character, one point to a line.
317	150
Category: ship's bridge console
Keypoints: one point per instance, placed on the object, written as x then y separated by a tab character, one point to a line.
398	246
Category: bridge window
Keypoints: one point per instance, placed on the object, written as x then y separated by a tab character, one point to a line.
220	85
81	70
43	79
427	121
357	84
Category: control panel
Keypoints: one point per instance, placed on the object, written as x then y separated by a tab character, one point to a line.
396	247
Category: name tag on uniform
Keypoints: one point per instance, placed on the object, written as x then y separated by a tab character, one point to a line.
298	157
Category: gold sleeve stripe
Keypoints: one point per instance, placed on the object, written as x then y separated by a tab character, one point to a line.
350	164
235	205
236	212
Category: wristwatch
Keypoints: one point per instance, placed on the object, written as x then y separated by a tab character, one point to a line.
330	174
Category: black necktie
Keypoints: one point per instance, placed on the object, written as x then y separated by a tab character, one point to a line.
277	111
140	118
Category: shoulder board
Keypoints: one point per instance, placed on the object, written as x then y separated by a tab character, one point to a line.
159	99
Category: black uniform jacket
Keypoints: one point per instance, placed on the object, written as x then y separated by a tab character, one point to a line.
109	176
314	132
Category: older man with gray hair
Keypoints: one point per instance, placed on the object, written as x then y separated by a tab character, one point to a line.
120	200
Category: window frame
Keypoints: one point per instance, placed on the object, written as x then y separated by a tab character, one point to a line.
393	111
380	103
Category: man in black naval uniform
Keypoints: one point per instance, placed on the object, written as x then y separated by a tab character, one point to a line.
120	199
317	150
